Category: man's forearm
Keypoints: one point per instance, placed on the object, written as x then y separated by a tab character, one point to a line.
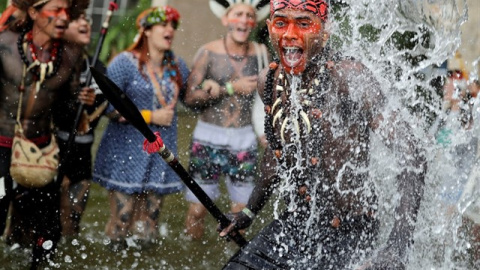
260	195
411	184
264	188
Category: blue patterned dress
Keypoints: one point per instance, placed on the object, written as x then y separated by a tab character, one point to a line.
121	164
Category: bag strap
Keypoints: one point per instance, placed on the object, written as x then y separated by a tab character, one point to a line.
19	126
21	89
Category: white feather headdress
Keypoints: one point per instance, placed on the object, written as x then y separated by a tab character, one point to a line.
261	7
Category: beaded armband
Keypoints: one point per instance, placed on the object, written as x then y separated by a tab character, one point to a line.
229	88
248	212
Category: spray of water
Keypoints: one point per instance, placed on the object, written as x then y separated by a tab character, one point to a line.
402	42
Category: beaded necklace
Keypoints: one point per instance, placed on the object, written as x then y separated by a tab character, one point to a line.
40	70
303	118
237	58
309	114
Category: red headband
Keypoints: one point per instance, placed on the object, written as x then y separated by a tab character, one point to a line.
317	7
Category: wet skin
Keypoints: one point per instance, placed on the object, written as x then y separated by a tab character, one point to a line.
338	181
301	30
212	66
44	31
239	22
343	114
51	22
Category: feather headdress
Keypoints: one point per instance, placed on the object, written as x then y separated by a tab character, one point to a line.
261	7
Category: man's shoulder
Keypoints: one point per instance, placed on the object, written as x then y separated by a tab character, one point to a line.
73	51
204	53
125	57
8	37
346	63
213	46
353	76
347	67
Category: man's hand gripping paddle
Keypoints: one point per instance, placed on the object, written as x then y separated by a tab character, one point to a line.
154	143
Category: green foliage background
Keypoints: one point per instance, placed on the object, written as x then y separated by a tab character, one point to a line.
121	32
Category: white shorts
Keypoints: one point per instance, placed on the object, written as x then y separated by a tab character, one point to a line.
237	193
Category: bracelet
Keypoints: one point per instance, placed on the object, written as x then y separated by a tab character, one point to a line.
248	212
229	88
198	87
147	115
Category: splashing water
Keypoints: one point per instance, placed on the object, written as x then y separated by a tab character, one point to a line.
402	42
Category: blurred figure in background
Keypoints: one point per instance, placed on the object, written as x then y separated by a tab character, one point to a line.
77	158
153	77
472	192
222	87
457	135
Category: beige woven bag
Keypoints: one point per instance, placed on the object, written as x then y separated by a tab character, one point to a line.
31	166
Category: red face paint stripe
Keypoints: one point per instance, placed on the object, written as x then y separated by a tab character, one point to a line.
317	7
54	14
250	22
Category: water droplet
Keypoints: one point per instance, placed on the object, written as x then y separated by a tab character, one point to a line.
47	245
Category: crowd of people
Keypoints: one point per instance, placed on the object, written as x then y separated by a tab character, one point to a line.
316	105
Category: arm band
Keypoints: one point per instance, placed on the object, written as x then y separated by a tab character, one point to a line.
248	212
147	115
229	88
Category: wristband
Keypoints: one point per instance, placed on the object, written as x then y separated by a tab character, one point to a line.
248	212
147	115
198	87
229	88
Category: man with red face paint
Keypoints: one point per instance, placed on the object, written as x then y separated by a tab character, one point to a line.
320	111
33	59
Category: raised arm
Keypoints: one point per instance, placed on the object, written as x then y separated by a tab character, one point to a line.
399	137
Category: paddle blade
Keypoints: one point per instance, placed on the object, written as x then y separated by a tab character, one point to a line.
122	103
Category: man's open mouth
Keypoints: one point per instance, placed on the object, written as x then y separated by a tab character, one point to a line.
61	27
240	29
292	55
